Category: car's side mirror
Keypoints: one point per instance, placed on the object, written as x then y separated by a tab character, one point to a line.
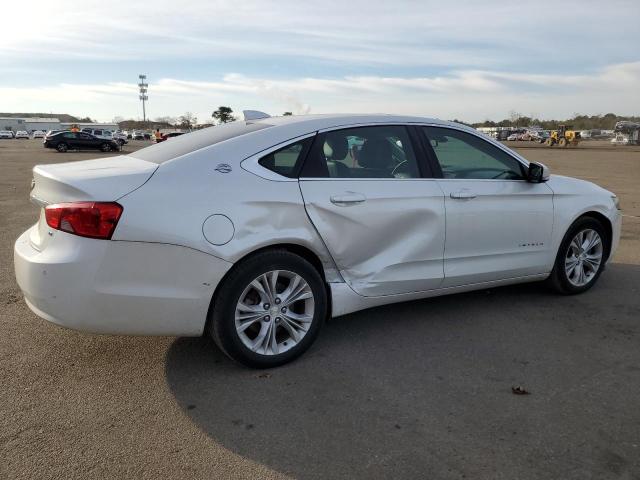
538	173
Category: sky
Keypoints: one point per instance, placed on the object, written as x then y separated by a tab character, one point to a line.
469	60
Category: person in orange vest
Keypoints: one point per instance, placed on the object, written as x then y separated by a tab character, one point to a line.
75	128
158	135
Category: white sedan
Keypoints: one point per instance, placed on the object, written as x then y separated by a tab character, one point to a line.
22	134
256	231
38	134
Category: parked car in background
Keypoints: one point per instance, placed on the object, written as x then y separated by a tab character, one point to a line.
513	137
53	132
22	135
166	136
120	137
137	135
274	225
38	134
99	132
6	134
64	141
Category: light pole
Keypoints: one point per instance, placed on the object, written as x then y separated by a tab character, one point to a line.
143	95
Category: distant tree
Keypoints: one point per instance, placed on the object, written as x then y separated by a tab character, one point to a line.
287	114
223	115
166	119
187	121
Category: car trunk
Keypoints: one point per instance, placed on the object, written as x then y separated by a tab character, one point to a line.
102	180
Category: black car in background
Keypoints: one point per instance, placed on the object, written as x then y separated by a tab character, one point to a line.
63	141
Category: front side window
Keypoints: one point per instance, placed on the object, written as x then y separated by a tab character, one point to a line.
466	156
287	160
69	135
364	152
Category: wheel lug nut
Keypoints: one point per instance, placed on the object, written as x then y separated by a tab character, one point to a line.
278	319
284	310
277	301
266	306
266	318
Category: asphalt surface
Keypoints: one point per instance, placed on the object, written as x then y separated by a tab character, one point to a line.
421	389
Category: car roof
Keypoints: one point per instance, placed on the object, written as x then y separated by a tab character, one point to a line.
320	121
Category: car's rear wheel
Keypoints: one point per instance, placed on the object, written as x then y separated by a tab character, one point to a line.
62	147
581	257
269	309
105	147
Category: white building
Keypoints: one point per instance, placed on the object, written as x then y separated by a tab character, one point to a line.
29	124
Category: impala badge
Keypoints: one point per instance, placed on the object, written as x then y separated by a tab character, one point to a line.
223	168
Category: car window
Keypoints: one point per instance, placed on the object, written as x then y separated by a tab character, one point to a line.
97	132
286	161
69	135
85	136
463	155
365	152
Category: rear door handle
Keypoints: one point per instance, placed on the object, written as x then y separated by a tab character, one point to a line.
348	198
463	194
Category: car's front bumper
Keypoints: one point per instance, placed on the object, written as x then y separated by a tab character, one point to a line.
118	287
616	230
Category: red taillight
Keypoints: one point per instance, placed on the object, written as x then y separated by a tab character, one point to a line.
87	219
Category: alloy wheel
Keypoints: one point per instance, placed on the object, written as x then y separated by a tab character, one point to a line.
274	312
584	257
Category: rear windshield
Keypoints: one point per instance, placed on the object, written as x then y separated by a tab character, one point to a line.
190	142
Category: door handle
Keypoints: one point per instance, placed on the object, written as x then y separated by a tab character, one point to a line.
348	198
463	194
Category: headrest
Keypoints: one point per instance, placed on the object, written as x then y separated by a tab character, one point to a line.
375	153
335	147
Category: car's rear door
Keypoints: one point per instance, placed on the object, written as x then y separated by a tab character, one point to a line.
498	224
380	216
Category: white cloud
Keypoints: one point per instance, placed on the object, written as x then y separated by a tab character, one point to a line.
471	95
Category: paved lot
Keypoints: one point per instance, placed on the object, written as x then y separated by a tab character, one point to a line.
417	390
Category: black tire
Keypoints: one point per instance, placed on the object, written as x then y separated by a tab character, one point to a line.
558	279
105	147
221	321
62	147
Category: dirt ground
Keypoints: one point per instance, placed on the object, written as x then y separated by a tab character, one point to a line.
416	390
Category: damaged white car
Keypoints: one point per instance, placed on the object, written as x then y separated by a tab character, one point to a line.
255	232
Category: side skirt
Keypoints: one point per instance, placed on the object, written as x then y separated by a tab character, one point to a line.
345	300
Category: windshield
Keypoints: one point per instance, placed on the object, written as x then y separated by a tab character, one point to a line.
190	142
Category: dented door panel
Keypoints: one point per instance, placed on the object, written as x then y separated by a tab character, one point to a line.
386	236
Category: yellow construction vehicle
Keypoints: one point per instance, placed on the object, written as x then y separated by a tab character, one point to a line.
563	137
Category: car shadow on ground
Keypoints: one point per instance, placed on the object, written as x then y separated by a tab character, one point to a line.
424	389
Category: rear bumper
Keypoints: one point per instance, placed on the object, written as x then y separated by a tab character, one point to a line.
118	287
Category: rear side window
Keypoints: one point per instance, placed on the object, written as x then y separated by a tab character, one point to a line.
382	151
287	160
190	142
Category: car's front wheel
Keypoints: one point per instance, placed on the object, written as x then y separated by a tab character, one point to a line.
269	309
581	257
105	147
62	147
